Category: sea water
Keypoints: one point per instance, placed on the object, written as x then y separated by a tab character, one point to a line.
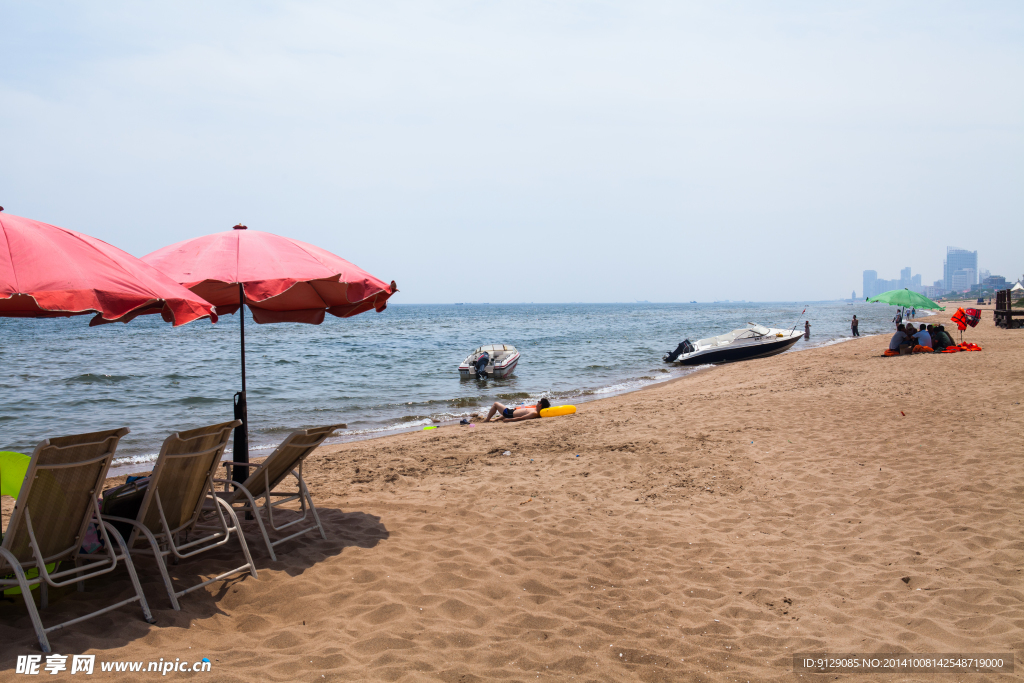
378	373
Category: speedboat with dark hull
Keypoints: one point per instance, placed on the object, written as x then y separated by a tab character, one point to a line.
497	361
755	341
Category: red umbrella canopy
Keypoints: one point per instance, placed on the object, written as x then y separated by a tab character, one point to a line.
50	272
285	280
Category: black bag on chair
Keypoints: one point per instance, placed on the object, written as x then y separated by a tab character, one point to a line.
125	501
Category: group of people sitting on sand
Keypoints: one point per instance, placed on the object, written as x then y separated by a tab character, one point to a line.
909	339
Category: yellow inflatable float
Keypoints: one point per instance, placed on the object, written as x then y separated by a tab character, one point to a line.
555	411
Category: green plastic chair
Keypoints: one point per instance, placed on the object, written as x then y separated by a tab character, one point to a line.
12	472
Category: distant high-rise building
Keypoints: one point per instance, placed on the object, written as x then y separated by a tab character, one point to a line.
905	277
959	259
994	282
964	279
915	282
870	278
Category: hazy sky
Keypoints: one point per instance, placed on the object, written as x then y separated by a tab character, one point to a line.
532	151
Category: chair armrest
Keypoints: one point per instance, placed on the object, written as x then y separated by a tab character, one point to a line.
113	518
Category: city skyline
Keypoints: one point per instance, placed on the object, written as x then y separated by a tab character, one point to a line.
960	273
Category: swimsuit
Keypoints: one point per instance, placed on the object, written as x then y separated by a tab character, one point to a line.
509	412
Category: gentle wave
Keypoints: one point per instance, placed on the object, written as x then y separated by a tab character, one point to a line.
89	378
146	458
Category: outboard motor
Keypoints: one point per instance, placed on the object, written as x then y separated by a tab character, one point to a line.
684	347
481	364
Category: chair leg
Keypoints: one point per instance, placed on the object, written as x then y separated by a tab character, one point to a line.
266	536
158	556
30	602
259	523
116	535
238	532
312	508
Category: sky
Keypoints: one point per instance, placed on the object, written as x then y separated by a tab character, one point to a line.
532	151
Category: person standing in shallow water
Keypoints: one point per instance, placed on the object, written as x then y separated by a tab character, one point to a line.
853	326
807	329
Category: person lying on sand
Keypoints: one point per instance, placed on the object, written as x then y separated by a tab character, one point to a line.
518	413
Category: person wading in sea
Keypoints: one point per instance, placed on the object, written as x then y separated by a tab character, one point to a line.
853	326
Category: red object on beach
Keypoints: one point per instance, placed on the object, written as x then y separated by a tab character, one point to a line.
284	280
51	272
960	318
279	279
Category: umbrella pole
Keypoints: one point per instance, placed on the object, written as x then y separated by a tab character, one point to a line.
240	450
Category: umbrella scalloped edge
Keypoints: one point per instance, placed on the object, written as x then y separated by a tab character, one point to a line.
20	305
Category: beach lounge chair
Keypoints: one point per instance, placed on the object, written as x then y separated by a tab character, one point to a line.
48	528
267	475
168	522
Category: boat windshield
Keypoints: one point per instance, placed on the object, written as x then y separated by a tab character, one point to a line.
730	337
496	351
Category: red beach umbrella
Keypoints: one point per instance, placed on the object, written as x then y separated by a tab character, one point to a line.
284	280
278	278
50	272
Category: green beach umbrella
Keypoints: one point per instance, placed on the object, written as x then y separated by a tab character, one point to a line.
907	299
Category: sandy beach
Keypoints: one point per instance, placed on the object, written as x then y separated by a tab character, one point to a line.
707	528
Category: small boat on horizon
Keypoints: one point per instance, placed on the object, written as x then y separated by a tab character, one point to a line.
755	341
495	360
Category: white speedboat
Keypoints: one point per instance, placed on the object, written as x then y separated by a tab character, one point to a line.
755	341
497	361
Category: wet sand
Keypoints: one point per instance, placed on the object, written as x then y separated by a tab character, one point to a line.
702	529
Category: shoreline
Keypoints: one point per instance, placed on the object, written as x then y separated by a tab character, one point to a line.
129	469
